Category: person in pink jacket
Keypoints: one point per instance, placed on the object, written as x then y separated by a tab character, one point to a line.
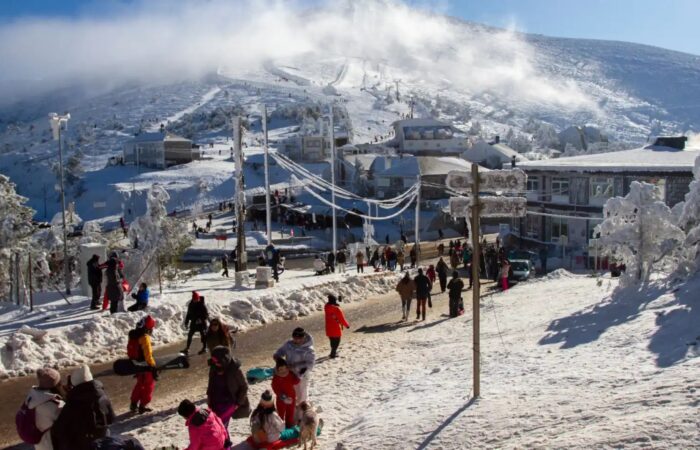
205	428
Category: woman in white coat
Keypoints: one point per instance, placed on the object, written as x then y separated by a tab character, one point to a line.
47	402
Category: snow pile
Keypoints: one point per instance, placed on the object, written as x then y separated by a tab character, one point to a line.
69	336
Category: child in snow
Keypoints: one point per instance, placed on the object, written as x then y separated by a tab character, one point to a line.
140	350
265	424
141	296
205	428
283	383
46	399
196	321
335	322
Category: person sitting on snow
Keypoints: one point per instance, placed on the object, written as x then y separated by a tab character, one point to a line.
320	266
265	424
205	428
141	297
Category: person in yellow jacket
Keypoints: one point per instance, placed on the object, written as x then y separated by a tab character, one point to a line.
140	350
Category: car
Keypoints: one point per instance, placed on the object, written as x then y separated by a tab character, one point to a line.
521	269
523	255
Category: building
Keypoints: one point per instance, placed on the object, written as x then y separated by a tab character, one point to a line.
428	137
392	175
492	155
159	150
577	188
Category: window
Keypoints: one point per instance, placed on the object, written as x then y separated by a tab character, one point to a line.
532	226
560	186
533	185
560	227
601	187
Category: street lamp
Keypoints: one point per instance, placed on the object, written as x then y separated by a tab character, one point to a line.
58	122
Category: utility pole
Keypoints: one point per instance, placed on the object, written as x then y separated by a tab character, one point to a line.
241	260
332	133
57	123
476	282
417	247
268	211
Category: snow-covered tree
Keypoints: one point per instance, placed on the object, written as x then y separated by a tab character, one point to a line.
15	229
689	219
641	231
475	129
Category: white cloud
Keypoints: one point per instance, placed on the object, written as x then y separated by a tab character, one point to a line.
167	40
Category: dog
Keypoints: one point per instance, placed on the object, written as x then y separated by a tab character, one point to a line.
308	424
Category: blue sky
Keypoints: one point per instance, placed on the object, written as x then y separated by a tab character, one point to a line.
672	24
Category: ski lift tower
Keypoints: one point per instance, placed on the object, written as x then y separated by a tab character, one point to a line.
57	123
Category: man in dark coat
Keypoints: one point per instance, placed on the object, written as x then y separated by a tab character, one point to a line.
441	269
455	287
114	274
227	391
196	321
94	274
224	265
331	262
86	416
423	288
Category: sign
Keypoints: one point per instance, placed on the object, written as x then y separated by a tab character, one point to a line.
491	206
506	181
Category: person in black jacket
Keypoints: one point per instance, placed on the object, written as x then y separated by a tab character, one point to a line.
196	321
455	287
423	288
441	269
86	416
227	391
94	274
331	261
114	274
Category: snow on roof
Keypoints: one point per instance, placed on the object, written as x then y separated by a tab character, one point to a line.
409	166
420	123
260	190
644	159
157	136
482	151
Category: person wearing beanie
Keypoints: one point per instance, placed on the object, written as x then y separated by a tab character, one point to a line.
265	424
114	291
335	322
142	394
227	391
46	399
196	321
86	416
205	428
300	356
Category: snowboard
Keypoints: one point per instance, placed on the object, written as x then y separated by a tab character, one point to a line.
258	374
124	367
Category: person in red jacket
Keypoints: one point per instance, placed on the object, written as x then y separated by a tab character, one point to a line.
283	383
335	321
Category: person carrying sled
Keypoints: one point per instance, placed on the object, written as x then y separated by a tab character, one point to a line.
205	428
140	350
94	280
196	321
114	290
141	296
335	322
41	409
227	391
283	385
265	424
441	269
86	416
455	287
406	287
423	288
299	354
217	335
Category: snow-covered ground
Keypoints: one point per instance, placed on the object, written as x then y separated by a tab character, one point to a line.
57	334
588	367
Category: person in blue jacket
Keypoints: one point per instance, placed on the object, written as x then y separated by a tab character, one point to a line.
141	297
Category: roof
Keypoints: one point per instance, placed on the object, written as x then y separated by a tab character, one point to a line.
409	166
420	123
644	159
157	136
260	190
482	151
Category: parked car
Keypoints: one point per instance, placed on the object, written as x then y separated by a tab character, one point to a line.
521	269
523	254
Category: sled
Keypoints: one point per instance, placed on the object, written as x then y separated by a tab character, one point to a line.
290	437
124	367
258	374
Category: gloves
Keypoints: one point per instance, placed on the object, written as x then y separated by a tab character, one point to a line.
302	371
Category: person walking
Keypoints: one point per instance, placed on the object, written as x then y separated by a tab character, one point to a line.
196	321
503	273
335	322
227	391
441	269
46	401
406	287
205	429
340	259
94	274
299	354
455	287
217	335
140	350
330	261
224	265
412	256
141	296
86	416
114	290
400	259
466	257
423	287
360	261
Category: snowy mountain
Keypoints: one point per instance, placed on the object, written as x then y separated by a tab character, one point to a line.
486	80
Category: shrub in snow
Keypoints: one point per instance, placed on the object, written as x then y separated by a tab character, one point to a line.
15	229
689	220
640	230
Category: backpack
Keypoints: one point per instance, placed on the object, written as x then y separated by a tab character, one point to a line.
26	425
133	348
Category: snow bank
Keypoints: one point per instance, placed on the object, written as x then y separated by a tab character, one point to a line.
99	337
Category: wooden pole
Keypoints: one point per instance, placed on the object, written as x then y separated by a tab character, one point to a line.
268	210
476	282
241	260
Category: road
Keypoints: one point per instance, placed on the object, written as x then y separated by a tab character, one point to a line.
254	348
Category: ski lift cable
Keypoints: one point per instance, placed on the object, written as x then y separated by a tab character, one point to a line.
373	218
